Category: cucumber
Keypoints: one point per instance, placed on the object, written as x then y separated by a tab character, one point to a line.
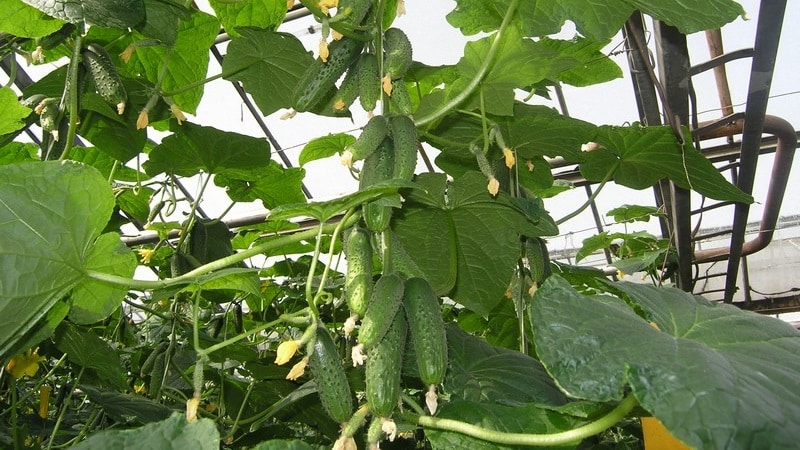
329	375
406	141
384	366
427	329
57	37
369	140
379	166
385	300
369	82
49	115
104	74
400	98
397	53
352	12
358	279
348	90
320	77
538	259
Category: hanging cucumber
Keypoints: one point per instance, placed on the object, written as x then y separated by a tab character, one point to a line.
427	332
400	98
384	302
406	141
384	366
348	90
379	166
369	81
397	53
367	142
320	77
332	386
358	279
103	72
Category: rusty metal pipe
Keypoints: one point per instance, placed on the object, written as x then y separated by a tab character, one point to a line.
781	167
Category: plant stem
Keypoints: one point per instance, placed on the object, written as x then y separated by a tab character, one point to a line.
218	264
591	198
310	299
72	95
283	318
64	409
482	71
537	440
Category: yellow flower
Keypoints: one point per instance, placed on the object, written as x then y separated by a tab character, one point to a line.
191	408
323	50
345	443
126	54
176	111
494	186
390	428
324	5
510	159
401	7
142	121
25	364
298	370
357	355
289	4
347	158
336	35
386	82
146	254
286	350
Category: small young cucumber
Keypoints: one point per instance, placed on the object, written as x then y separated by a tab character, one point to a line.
397	53
104	74
379	166
400	98
358	279
332	386
369	81
427	329
406	141
352	12
538	259
369	140
384	367
348	90
320	77
384	302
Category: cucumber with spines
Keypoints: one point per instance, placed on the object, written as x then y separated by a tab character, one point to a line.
330	378
320	77
397	53
370	138
400	98
384	302
384	367
358	278
379	166
369	81
406	142
103	72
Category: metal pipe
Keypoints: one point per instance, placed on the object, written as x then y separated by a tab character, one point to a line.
781	167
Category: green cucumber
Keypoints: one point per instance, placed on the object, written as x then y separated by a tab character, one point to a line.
358	279
320	77
384	366
369	81
370	138
538	259
332	386
384	302
400	98
352	12
397	53
427	329
104	74
379	166
348	90
49	115
406	141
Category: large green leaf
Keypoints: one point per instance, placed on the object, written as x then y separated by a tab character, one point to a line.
249	13
641	156
529	419
479	372
716	376
127	407
269	65
94	300
448	227
595	67
174	433
50	215
273	185
595	20
163	18
105	13
87	350
19	19
192	148
283	444
12	114
186	60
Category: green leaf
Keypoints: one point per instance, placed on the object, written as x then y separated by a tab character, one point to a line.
249	13
529	419
86	349
127	408
186	60
105	13
50	215
135	203
695	368
471	226
536	131
480	372
644	155
324	147
94	300
272	184
633	213
174	433
323	211
162	20
18	152
103	162
283	444
234	279
192	148
19	19
594	66
12	113
269	64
